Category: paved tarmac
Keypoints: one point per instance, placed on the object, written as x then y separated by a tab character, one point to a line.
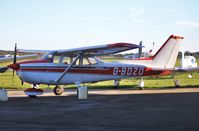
112	110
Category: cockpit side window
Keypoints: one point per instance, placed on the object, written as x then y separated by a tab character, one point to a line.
62	60
92	61
87	61
66	60
53	57
56	59
49	56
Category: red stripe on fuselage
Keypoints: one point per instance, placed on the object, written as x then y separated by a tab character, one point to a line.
61	70
150	72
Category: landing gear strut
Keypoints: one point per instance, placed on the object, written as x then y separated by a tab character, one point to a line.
58	90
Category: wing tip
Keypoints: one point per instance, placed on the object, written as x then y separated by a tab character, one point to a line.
122	44
176	37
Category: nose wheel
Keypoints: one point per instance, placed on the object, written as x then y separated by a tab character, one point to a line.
58	90
34	91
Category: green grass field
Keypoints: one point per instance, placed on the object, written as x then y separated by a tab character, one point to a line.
9	82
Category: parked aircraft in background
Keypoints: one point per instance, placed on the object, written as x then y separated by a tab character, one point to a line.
81	65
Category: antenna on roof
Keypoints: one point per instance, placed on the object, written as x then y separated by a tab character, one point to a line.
153	46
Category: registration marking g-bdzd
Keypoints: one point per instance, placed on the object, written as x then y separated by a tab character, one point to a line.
129	71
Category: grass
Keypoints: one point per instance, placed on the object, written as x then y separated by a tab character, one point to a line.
9	82
160	82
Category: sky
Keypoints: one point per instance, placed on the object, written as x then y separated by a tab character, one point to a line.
64	24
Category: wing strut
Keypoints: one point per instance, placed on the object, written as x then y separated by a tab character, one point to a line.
67	69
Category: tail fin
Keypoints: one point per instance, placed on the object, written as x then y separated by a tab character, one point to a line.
166	56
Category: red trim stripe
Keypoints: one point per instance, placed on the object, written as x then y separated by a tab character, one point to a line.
86	71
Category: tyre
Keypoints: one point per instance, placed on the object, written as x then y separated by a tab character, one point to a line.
58	90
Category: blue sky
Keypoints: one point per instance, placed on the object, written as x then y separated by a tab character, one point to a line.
63	24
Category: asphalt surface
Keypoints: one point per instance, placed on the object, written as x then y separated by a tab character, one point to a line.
103	111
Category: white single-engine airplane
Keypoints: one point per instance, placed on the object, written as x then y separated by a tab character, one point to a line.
80	65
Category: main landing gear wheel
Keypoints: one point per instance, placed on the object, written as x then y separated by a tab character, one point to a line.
58	90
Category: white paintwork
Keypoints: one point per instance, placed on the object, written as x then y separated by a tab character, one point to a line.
51	77
69	78
166	58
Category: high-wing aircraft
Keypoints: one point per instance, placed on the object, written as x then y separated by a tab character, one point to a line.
81	65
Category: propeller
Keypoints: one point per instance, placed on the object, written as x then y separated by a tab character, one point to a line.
14	61
3	69
15	54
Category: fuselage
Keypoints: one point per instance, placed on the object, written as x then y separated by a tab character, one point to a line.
48	72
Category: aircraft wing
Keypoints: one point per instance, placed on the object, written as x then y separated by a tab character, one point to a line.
177	70
188	69
18	57
97	50
33	51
